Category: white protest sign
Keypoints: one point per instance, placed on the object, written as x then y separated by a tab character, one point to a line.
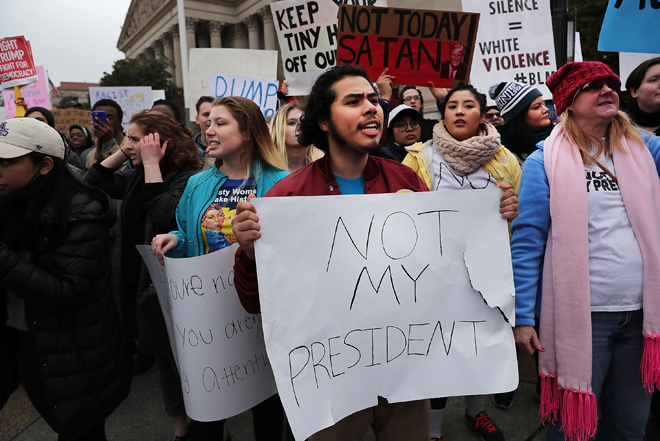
131	99
384	295
577	56
256	63
158	94
514	43
219	347
261	91
161	284
628	61
307	33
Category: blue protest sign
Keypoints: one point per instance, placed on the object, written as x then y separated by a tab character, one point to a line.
630	26
260	90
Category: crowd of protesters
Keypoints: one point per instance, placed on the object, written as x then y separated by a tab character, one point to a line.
581	195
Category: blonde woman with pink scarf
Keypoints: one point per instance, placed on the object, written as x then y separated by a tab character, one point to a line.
586	262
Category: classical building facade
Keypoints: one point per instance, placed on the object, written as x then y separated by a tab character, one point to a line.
78	90
151	28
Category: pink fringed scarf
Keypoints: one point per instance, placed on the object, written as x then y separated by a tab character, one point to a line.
565	330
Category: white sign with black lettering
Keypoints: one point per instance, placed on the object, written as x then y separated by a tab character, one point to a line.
404	296
514	43
219	347
307	33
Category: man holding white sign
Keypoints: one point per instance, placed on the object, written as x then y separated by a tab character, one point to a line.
344	119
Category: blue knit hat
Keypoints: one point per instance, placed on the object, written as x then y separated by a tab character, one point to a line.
512	98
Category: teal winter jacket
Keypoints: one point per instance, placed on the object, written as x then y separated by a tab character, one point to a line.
201	190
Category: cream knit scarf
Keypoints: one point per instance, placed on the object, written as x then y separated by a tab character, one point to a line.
466	156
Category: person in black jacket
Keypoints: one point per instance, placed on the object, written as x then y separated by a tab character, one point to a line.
59	317
162	159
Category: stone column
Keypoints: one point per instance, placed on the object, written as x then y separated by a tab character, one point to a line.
178	75
253	24
191	23
270	35
150	53
215	30
168	52
158	49
240	36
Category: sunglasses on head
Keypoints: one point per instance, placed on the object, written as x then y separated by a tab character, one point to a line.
596	86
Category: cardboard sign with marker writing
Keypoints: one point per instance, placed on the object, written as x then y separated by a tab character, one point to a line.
416	45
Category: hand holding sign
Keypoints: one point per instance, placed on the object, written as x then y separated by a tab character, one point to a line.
384	83
246	226
439	93
161	244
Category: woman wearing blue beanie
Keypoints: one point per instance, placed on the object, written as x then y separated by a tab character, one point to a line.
526	120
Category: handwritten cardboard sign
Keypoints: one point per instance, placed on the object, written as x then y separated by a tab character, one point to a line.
402	296
630	26
16	63
34	95
514	43
219	347
131	99
307	33
65	118
260	90
416	45
255	63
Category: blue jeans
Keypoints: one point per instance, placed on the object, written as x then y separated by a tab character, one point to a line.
623	404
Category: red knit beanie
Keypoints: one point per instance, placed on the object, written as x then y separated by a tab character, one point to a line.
567	81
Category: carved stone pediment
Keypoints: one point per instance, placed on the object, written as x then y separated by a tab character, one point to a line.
139	14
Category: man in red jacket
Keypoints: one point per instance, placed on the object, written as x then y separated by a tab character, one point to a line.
342	118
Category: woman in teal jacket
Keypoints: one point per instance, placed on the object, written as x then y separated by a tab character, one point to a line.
246	163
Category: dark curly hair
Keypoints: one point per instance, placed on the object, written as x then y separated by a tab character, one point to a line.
181	153
320	99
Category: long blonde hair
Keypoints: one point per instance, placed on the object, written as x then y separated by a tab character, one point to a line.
619	128
259	149
278	135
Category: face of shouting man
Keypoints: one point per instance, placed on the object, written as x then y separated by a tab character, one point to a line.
356	118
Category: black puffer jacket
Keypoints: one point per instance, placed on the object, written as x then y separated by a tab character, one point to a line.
159	201
83	359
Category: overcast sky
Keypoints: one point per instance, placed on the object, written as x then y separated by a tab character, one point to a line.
75	40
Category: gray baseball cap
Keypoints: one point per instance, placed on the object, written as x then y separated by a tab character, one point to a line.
20	136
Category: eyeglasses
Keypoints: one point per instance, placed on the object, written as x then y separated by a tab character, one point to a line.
403	125
490	116
410	98
597	86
